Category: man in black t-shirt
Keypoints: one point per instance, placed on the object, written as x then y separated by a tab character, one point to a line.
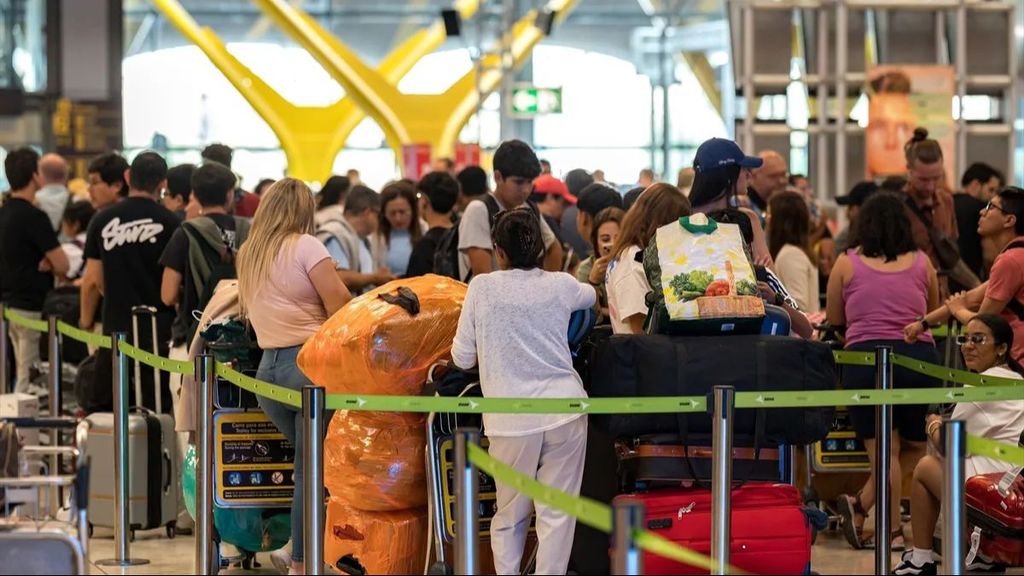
213	235
978	185
191	260
30	256
438	194
122	251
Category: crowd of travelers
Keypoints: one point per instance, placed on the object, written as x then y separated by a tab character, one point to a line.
533	246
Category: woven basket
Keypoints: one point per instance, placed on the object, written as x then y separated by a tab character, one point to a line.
730	306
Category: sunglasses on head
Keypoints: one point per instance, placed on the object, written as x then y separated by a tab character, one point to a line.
975	339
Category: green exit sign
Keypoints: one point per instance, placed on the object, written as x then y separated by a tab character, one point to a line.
531	101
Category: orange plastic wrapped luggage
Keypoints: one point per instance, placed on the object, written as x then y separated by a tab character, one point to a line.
381	542
383	342
375	460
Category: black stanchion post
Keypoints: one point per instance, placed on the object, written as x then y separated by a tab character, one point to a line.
56	399
954	512
313	398
467	516
204	554
883	462
628	516
122	529
5	369
721	478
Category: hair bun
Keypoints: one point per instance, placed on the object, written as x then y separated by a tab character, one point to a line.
920	135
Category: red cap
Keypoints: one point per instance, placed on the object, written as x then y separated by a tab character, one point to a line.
548	184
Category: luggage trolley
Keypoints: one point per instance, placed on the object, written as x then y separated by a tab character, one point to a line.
441	477
43	543
252	467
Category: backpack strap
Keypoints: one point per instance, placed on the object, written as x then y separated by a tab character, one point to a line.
343	233
242	228
205	237
493	209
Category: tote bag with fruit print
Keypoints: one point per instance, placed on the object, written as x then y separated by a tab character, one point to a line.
699	269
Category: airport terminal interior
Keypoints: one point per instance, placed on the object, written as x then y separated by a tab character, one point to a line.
512	287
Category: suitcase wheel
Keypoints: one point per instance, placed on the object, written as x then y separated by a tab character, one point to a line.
440	569
171	526
810	496
249	562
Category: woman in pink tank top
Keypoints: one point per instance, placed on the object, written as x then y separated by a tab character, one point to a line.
874	291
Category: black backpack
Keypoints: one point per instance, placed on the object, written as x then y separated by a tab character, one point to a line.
221	265
446	257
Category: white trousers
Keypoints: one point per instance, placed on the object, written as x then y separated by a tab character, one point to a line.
555	458
26	350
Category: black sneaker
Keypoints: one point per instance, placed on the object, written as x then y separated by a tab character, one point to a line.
984	566
906	567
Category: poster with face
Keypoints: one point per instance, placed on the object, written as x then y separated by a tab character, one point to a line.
902	98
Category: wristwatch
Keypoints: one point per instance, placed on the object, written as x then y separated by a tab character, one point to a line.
924	322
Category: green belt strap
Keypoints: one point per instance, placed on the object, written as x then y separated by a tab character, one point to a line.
24	322
83	336
872	397
949	374
933	370
854	358
276	393
652	405
167	365
991	449
587	511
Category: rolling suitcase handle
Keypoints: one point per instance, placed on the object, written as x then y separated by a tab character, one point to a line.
150	311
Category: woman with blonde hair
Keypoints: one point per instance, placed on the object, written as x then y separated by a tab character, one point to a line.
287	287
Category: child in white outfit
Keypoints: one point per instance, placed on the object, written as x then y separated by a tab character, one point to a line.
514	323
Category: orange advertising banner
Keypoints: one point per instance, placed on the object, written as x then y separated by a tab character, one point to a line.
902	98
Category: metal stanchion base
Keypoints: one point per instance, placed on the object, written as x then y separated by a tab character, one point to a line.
125	562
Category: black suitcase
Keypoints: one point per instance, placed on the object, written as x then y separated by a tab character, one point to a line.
657	365
63	302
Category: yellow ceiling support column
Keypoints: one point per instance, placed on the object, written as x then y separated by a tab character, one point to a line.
434	119
705	75
311	137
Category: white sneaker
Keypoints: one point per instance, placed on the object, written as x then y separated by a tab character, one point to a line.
282	560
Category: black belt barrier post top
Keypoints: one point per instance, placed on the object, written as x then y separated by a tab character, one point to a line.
467	514
313	479
883	462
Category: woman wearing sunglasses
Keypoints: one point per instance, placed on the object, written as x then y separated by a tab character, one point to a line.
986	349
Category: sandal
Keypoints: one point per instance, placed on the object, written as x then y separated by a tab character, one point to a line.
849	507
897	543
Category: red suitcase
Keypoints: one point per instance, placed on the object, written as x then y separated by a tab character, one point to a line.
1000	518
770	533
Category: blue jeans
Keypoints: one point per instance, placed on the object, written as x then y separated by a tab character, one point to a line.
278	367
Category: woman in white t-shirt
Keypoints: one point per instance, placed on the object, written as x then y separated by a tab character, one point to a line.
789	230
986	347
626	281
513	324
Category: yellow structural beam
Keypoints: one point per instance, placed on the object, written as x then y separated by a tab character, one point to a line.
434	119
705	75
311	137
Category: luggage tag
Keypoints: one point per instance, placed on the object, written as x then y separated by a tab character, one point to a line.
1007	480
975	546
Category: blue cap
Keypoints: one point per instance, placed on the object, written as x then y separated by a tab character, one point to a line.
720	153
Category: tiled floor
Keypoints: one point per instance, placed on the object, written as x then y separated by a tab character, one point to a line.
830	555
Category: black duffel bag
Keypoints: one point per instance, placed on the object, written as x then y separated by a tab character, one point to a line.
656	365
